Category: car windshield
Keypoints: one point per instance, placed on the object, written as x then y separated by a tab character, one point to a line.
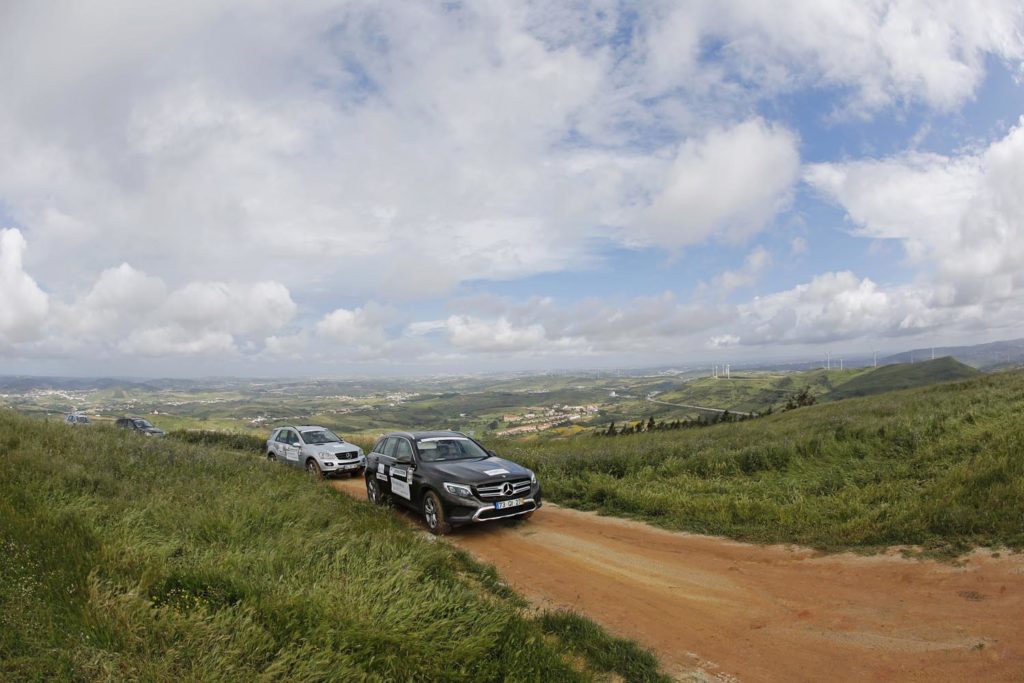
449	448
314	436
143	424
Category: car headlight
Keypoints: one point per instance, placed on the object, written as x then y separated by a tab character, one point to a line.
533	478
460	490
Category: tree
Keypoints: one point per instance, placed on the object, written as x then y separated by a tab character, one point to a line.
650	424
801	399
611	430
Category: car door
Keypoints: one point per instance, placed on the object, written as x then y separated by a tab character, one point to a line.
385	465
278	443
401	472
292	447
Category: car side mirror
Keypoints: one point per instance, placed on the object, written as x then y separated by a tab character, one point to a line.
403	460
491	453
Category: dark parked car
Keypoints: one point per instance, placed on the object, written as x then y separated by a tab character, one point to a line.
76	420
139	424
448	478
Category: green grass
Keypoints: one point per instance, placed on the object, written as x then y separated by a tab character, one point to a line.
129	558
583	637
940	467
253	443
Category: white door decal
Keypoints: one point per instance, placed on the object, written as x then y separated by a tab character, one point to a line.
400	487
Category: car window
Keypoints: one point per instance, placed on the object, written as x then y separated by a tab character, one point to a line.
318	436
403	449
449	448
379	446
389	447
282	436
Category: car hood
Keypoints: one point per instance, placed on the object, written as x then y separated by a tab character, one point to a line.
329	449
153	431
473	471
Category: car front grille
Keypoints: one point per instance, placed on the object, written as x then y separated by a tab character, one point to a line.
354	455
497	490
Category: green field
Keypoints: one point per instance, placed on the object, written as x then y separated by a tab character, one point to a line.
129	558
940	467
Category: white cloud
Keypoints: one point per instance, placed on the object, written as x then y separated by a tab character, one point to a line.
299	144
286	346
723	341
476	335
24	306
832	306
729	185
753	266
241	154
120	299
884	51
960	217
235	308
364	326
175	340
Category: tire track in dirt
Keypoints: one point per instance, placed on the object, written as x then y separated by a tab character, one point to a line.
735	611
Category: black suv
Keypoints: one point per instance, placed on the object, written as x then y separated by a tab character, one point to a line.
449	478
139	424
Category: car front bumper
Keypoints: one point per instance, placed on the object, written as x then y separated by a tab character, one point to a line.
461	511
342	466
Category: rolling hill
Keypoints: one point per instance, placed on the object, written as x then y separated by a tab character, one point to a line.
1008	353
902	376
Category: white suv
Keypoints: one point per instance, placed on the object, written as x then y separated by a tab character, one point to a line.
319	450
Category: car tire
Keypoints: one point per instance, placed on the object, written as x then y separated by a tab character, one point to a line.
373	492
433	515
271	456
313	469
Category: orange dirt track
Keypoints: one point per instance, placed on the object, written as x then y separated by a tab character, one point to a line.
714	609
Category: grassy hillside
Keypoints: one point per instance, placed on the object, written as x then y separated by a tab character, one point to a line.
941	467
127	558
903	376
756	391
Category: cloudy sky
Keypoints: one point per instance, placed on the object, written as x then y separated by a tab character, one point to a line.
328	187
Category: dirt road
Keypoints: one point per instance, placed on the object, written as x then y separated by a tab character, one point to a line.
732	611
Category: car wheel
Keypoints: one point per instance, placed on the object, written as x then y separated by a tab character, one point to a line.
433	514
373	492
313	469
271	456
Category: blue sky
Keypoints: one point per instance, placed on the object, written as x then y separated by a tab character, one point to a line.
369	187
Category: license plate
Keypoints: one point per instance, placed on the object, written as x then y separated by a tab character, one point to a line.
502	504
349	467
